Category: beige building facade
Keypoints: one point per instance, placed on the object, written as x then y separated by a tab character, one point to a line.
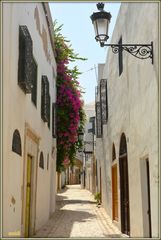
127	142
29	95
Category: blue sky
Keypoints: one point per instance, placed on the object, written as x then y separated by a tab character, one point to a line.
78	28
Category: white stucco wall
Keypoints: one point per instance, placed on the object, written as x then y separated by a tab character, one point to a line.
18	109
133	109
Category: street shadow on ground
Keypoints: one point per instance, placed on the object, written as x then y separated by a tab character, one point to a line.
113	236
78	201
62	200
61	227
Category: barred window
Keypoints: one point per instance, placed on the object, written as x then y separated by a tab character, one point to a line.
54	120
34	81
103	99
41	160
45	99
25	61
98	120
16	143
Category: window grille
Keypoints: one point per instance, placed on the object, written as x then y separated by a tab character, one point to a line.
98	120
54	120
44	99
103	100
25	62
34	81
16	143
41	160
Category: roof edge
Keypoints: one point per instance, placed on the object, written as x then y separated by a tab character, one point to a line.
49	23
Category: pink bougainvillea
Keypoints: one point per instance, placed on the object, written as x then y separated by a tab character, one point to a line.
70	114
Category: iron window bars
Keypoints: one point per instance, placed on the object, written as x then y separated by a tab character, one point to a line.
103	100
45	100
25	62
98	120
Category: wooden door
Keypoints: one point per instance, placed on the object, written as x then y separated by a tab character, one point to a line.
148	197
124	195
114	193
28	196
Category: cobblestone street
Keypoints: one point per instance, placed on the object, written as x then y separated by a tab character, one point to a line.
77	215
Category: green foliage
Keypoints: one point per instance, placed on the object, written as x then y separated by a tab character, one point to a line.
97	197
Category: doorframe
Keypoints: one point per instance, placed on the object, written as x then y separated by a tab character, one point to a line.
30	137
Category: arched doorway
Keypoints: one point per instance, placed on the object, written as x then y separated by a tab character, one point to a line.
114	186
124	186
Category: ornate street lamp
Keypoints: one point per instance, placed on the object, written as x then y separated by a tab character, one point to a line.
101	22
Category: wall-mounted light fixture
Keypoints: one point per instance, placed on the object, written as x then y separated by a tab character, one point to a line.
101	22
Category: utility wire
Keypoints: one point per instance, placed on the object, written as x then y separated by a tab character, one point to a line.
91	69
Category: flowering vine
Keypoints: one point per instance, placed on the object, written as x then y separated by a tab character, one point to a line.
70	113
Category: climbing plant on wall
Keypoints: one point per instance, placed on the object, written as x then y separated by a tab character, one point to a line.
69	104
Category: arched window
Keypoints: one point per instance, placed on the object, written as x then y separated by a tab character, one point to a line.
16	143
123	145
41	160
113	152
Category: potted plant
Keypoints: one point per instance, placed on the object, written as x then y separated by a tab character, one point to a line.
97	197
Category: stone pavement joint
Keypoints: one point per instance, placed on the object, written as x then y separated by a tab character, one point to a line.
77	215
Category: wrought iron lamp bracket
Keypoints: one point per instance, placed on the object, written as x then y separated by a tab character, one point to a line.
141	51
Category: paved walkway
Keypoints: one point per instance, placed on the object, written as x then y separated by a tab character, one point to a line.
77	216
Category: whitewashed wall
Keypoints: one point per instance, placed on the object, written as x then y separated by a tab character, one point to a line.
133	109
18	109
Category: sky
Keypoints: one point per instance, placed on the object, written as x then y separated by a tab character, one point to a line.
78	28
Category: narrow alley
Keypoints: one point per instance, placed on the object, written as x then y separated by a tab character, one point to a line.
80	120
77	215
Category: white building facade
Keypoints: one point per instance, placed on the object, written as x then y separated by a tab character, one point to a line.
29	96
89	148
127	139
